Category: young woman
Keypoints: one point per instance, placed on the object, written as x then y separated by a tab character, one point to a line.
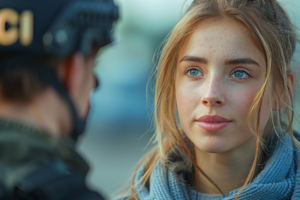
224	107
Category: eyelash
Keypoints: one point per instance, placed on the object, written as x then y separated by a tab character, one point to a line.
191	68
241	70
235	70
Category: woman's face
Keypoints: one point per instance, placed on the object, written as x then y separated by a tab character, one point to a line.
219	70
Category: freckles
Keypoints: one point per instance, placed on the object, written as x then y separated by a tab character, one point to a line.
185	97
187	101
185	106
243	99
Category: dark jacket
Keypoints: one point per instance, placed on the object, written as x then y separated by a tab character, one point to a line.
35	165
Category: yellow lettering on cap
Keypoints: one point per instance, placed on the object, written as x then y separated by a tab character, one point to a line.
10	36
26	28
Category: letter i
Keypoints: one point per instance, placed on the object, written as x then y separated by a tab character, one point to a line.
26	28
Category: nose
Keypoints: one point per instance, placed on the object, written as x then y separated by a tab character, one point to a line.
213	93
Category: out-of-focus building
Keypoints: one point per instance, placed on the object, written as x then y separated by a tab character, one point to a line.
121	112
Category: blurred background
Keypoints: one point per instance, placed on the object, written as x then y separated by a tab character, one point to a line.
119	124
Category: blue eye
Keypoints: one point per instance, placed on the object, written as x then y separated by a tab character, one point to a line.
240	74
194	72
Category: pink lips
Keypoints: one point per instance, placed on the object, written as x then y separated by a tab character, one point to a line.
213	123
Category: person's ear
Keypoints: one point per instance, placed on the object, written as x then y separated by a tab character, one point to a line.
282	98
71	72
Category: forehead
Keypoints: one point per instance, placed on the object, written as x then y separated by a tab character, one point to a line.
222	39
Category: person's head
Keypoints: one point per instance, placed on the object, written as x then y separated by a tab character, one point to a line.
230	58
22	85
53	45
220	69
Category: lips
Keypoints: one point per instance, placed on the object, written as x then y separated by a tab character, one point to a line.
213	123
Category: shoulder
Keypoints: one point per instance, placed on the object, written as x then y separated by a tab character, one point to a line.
51	183
40	165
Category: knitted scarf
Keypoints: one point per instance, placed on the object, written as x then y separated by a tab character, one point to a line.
280	178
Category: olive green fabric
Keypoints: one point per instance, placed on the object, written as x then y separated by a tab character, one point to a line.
23	149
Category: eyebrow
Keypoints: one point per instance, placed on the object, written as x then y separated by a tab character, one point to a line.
227	62
194	59
248	61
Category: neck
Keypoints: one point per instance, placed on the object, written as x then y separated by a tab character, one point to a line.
227	170
46	111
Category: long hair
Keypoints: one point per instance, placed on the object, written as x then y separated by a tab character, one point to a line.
270	26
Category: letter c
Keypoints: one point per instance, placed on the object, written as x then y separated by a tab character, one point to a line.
10	36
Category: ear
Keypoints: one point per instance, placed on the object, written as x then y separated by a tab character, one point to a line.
282	97
71	72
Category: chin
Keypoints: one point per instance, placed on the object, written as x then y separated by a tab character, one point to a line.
214	146
212	149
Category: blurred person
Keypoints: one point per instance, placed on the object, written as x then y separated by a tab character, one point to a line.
224	107
47	54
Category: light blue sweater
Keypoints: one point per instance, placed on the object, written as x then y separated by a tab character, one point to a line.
280	178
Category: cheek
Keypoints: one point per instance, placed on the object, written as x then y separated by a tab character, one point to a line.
241	103
188	99
240	97
185	98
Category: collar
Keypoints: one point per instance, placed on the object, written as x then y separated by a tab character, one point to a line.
20	143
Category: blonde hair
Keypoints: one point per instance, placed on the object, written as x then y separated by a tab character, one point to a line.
272	29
